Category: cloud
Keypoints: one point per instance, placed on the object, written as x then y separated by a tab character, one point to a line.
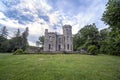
39	15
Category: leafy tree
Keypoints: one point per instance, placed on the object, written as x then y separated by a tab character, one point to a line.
88	35
92	49
15	43
38	43
112	14
4	44
77	41
105	34
104	40
112	18
41	40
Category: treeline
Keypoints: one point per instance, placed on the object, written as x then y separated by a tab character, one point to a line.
93	41
19	41
105	41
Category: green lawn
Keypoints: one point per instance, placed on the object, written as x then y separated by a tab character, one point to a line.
59	67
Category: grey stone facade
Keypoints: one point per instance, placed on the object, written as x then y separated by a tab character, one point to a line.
55	42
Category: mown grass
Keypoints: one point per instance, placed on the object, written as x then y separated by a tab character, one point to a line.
59	67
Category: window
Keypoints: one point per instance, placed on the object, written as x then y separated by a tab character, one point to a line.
59	47
67	31
60	40
67	38
49	46
68	46
50	38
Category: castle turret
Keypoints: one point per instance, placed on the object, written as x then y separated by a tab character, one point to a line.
68	42
45	40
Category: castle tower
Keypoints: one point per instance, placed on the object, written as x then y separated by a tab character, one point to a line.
45	40
49	41
68	42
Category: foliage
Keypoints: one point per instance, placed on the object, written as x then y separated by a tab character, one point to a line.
4	44
107	40
19	41
18	51
88	35
112	14
112	18
104	47
92	49
40	41
15	43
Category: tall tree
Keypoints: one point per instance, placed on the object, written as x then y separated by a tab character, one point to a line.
88	35
4	32
24	39
112	14
112	18
104	40
17	34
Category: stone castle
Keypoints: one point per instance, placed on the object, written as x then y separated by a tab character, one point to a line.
55	42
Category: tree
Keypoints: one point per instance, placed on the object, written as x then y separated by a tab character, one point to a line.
17	34
4	32
88	35
24	36
92	49
112	14
4	44
104	34
37	43
112	18
104	40
41	40
17	42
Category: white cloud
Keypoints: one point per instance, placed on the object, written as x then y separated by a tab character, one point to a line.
2	16
57	17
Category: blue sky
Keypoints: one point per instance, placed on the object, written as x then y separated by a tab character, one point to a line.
39	15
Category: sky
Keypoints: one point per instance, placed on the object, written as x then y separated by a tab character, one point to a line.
39	15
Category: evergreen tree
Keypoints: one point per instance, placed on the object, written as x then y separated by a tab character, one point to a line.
24	36
4	32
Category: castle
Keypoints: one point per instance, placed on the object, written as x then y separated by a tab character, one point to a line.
55	42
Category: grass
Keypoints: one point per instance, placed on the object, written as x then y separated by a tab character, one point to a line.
59	67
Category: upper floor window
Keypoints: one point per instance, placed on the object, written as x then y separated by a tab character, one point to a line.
60	40
67	38
50	38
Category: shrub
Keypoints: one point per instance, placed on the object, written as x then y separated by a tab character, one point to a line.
18	51
92	50
64	52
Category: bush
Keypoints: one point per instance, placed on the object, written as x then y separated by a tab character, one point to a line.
18	51
92	50
64	52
